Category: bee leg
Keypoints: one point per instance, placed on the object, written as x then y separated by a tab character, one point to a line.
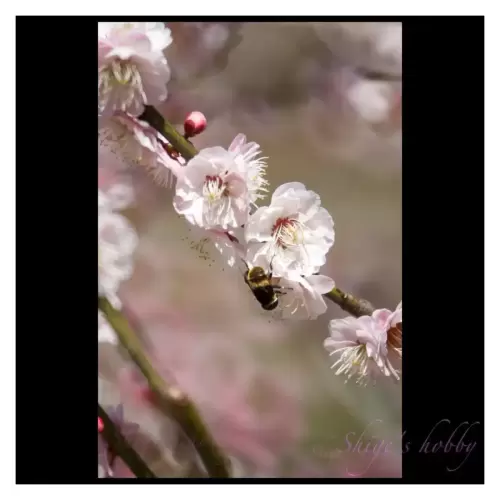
271	267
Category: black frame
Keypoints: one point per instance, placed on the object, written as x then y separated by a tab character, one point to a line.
443	247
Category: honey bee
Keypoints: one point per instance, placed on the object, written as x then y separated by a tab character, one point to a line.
263	288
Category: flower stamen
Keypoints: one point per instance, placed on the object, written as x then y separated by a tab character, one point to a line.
214	188
395	338
121	75
288	232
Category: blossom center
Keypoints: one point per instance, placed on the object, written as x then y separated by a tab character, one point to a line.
123	76
121	72
354	360
287	232
214	188
395	336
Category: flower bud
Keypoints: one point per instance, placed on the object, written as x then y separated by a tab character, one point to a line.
100	425
194	124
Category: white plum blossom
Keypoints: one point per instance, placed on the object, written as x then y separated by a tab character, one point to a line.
292	235
117	241
132	68
397	316
253	164
229	244
105	332
393	324
136	142
361	344
213	193
303	298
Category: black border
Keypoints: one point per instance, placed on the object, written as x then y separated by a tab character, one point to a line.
56	348
443	243
443	235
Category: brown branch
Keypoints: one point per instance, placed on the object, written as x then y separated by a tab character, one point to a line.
349	303
170	400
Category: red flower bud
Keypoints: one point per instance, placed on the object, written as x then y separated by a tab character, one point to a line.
100	425
194	124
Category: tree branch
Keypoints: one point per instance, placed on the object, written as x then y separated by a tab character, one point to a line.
119	446
170	400
349	303
167	130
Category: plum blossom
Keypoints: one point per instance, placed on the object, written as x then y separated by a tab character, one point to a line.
133	71
228	243
303	298
212	193
138	143
105	332
117	241
362	343
254	165
292	235
393	324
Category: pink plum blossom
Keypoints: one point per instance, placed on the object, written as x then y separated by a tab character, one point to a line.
117	242
303	297
362	345
213	192
292	235
140	144
132	68
253	164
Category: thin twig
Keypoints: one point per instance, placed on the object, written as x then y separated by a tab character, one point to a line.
152	116
171	400
349	303
119	446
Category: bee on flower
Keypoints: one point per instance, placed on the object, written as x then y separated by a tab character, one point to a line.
294	231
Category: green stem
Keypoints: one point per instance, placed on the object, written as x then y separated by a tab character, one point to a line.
170	400
350	304
120	447
158	122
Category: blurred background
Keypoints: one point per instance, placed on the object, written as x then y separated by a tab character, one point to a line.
324	102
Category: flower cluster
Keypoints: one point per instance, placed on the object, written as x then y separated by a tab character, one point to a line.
133	73
283	244
367	346
117	242
220	191
289	239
